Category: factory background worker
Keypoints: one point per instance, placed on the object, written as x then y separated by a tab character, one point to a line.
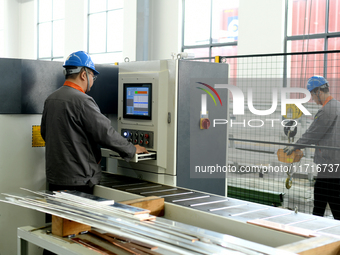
324	131
74	128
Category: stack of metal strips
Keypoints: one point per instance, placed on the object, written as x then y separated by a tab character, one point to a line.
170	237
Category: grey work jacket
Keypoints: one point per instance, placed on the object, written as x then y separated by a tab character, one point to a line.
325	131
73	129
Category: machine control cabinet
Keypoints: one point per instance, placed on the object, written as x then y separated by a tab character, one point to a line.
159	108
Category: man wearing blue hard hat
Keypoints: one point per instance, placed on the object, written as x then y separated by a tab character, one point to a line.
73	129
324	131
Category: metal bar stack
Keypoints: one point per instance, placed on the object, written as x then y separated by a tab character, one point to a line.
134	223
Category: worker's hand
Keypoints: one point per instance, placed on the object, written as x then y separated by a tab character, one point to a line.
140	149
289	149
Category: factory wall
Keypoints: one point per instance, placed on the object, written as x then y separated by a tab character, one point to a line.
261	27
261	31
20	166
165	28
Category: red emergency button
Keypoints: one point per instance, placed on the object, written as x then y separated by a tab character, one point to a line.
146	136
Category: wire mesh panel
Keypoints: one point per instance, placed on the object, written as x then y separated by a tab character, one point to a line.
256	135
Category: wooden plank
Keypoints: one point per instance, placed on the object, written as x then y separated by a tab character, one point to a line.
152	203
64	227
283	227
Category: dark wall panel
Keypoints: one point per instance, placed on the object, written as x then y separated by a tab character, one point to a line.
27	83
39	80
105	89
10	86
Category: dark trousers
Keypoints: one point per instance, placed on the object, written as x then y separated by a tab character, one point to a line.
327	191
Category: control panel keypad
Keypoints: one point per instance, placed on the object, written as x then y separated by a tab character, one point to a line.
143	138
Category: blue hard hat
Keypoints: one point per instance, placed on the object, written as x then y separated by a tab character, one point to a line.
316	81
80	59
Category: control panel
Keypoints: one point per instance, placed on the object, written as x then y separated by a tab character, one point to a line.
143	138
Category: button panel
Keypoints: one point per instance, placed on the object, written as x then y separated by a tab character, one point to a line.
141	137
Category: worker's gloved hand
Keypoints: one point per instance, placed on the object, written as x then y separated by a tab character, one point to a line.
289	149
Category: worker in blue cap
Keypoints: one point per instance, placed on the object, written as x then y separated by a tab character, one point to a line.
324	131
74	130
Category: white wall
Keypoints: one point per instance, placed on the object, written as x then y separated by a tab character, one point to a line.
164	31
11	29
165	28
261	26
20	166
75	26
20	29
130	26
27	29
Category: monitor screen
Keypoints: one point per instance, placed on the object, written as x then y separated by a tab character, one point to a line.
137	101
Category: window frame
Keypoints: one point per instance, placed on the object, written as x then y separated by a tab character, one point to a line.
52	57
106	11
326	35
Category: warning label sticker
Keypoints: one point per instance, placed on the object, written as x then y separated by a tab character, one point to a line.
37	140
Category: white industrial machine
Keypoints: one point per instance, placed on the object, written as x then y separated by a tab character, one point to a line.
147	116
159	107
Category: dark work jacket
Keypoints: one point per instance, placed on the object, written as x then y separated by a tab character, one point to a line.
325	131
73	129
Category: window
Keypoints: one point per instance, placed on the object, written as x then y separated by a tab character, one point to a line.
51	29
105	30
210	27
313	25
2	25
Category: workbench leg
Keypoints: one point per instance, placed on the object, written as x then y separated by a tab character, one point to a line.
22	247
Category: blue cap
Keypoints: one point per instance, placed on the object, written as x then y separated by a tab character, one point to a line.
316	81
80	59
